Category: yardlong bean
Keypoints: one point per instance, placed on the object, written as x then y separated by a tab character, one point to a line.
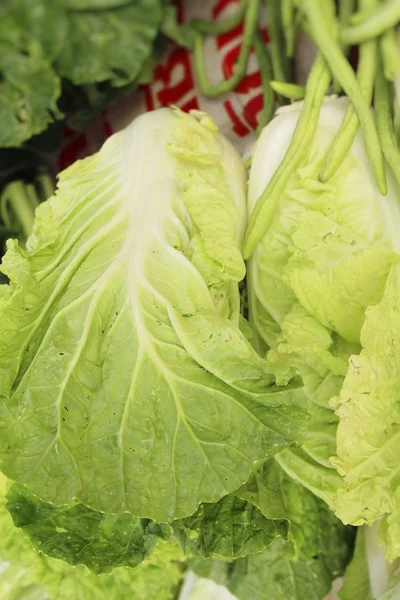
250	25
264	210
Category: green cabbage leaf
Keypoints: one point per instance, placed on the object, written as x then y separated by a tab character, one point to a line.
80	535
126	383
27	574
369	423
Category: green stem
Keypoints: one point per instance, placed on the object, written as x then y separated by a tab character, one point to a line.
361	15
396	110
344	137
384	121
346	9
280	63
264	63
31	196
217	27
385	16
390	53
45	185
322	31
240	68
264	210
289	26
289	90
14	198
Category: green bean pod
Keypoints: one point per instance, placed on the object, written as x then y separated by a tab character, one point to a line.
223	26
344	138
384	17
321	31
250	25
289	90
264	210
265	66
385	124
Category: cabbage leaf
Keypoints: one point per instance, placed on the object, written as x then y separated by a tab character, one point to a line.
324	260
28	571
369	423
102	48
80	535
228	529
126	383
274	573
300	516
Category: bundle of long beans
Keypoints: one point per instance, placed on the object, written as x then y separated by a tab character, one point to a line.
333	28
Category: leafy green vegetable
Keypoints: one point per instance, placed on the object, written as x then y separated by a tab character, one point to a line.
321	480
182	34
31	36
109	45
157	578
132	385
368	408
274	574
303	567
41	21
229	528
322	262
128	291
12	586
321	233
29	89
80	535
103	48
310	525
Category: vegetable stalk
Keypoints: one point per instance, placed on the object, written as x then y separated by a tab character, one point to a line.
250	24
265	207
321	31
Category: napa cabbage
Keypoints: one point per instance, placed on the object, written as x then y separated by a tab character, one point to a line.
126	383
324	302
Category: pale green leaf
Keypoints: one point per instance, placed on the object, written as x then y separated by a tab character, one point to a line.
369	423
330	245
125	380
